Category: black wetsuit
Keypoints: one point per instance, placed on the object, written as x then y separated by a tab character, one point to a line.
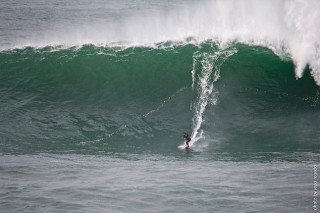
187	138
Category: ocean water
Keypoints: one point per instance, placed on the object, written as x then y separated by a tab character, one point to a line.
95	97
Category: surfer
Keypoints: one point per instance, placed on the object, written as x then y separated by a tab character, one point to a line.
187	138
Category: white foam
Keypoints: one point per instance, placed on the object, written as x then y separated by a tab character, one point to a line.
287	25
209	65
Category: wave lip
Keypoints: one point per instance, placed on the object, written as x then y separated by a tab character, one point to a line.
287	27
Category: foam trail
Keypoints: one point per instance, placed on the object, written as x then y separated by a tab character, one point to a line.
209	65
162	104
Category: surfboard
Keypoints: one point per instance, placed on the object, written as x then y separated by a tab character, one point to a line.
187	147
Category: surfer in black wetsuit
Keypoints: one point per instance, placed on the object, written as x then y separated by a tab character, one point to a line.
187	138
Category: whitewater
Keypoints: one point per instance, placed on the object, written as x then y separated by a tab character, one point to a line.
287	27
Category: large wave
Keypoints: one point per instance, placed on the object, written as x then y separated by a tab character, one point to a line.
102	99
121	75
289	27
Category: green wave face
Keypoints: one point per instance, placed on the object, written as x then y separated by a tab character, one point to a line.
140	100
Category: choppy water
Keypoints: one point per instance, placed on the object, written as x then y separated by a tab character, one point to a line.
152	183
95	96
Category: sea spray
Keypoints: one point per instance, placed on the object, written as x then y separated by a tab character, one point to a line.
206	71
289	27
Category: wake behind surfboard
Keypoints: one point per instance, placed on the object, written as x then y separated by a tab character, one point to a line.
183	146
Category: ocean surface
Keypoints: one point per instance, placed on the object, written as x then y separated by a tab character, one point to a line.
95	97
